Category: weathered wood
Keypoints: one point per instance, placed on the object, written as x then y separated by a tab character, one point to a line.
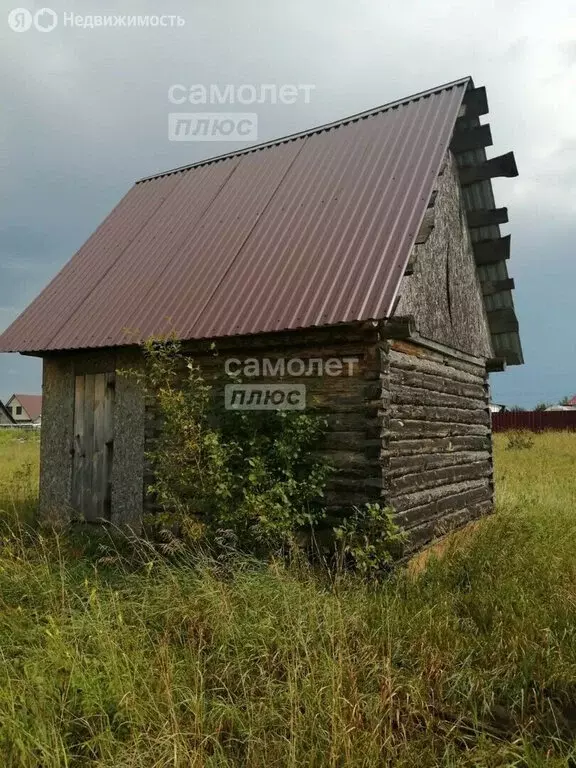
405	428
411	419
487	217
350	336
426	227
78	450
433	414
472	138
503	165
93	420
436	353
99	446
398	328
490	287
491	251
439	476
402	395
109	399
502	320
404	465
351	438
349	459
341	498
420	535
417	446
495	365
88	510
440	462
473	375
417	507
475	102
413	379
349	480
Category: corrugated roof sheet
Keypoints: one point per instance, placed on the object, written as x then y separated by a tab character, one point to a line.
310	230
32	404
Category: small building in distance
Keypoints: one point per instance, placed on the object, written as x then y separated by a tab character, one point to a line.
25	409
361	260
561	408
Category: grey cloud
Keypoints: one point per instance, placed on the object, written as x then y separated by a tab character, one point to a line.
86	114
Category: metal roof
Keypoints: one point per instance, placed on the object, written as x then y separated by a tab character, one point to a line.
310	230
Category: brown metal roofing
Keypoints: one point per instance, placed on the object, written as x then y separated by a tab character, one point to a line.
32	404
310	230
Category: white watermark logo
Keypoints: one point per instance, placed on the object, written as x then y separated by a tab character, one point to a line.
226	126
21	20
239	94
45	20
293	366
212	126
265	397
278	396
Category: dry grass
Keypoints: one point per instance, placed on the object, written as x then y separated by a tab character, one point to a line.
471	662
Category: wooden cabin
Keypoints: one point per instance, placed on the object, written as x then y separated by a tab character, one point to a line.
373	241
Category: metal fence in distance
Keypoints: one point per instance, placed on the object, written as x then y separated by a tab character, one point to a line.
534	421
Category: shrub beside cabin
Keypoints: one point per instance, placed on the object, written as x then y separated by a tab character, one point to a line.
375	238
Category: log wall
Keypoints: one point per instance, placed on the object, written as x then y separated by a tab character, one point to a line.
439	440
351	404
409	428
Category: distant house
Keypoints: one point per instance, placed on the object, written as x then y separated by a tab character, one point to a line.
497	408
569	405
25	409
373	241
5	417
562	408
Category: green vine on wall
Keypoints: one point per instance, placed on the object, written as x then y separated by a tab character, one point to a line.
253	479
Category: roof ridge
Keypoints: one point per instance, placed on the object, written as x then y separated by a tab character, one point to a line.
311	131
24	394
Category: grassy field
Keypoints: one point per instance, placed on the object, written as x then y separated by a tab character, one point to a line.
467	660
19	464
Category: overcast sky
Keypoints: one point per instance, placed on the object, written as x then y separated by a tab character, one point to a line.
85	113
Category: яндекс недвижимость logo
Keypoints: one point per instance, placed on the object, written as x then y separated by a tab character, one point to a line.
21	20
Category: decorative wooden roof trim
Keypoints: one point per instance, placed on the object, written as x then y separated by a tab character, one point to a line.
491	250
486	217
464	141
403	328
503	165
475	102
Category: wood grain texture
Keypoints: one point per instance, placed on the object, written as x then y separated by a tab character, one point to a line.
93	426
440	465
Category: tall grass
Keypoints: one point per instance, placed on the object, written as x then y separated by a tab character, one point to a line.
468	660
19	465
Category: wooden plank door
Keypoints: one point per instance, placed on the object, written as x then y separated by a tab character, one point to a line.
93	450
